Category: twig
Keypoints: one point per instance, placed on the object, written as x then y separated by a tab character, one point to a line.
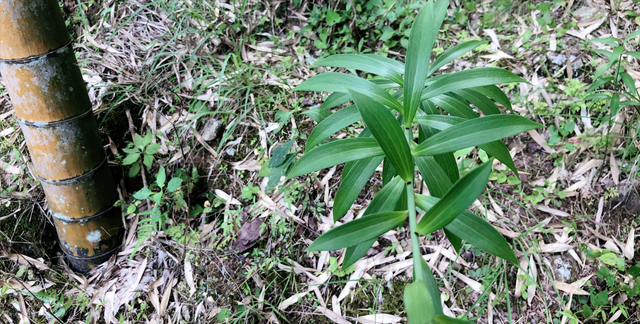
132	130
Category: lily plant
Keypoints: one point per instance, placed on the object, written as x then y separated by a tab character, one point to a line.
414	119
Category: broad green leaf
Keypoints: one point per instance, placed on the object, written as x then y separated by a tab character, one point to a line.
495	94
418	303
131	158
332	124
279	154
334	153
135	168
453	53
456	242
421	41
387	132
454	106
352	183
474	132
469	79
446	161
442	319
433	175
153	148
481	102
161	177
384	201
432	286
464	192
634	54
388	172
632	35
335	99
142	194
474	230
367	63
364	134
599	83
174	184
338	82
358	231
629	82
317	114
611	41
391	64
496	149
615	104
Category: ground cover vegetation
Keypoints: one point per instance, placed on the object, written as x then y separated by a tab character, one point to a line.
251	146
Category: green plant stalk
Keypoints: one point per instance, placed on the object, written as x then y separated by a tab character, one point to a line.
411	205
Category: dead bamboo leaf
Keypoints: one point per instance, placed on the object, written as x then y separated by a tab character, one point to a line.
540	141
615	171
291	300
332	316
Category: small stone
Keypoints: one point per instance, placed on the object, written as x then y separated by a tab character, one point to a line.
211	129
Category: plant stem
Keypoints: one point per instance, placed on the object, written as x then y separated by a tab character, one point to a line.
411	205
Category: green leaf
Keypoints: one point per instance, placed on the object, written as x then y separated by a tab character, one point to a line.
453	53
468	79
138	141
358	231
454	106
352	183
495	94
332	124
131	158
142	194
152	148
629	82
147	160
417	59
375	64
387	132
335	99
632	35
418	303
456	242
279	154
432	286
135	168
433	175
146	140
161	177
442	319
474	132
473	230
460	196
384	201
317	114
615	104
334	153
481	102
174	184
391	64
332	17
338	82
611	41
